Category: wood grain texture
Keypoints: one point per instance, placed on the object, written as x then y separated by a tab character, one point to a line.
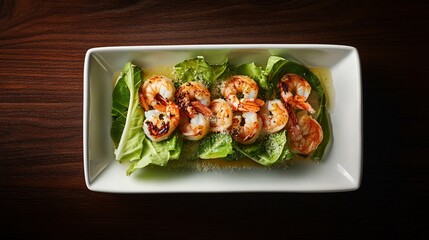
42	49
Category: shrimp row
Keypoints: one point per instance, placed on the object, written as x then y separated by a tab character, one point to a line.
240	112
160	122
304	132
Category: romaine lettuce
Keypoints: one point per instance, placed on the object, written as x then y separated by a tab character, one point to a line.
217	145
272	148
197	69
270	63
221	70
325	123
158	153
287	154
254	72
266	151
127	115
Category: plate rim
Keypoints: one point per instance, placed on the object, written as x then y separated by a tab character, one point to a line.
86	84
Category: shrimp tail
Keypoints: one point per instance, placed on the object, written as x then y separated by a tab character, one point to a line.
303	106
283	87
183	103
164	102
248	137
199	107
160	98
293	126
250	105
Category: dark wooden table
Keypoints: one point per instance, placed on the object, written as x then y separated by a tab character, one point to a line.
42	49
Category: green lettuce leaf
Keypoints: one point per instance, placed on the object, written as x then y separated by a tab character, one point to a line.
195	69
260	75
175	146
272	148
287	154
127	115
324	121
254	72
158	153
266	151
270	63
217	145
221	71
120	102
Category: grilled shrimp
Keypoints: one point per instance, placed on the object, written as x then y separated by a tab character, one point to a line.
156	85
305	133
221	119
274	116
246	127
194	128
295	90
247	88
159	125
193	98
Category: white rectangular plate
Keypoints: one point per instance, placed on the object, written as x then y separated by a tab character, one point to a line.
340	169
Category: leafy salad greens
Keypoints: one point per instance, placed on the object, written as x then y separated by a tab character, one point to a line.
132	145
